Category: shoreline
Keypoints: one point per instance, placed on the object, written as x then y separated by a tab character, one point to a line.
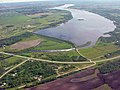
82	45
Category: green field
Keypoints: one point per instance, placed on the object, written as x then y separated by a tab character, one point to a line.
47	43
98	50
14	23
8	63
70	56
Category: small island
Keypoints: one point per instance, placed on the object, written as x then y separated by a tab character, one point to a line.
80	19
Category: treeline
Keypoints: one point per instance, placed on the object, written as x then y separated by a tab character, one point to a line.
65	19
30	72
115	53
14	39
31	10
110	67
64	57
2	56
114	37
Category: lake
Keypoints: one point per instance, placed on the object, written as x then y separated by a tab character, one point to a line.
84	27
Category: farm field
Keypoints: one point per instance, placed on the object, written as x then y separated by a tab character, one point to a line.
26	44
16	23
44	44
72	83
85	80
112	79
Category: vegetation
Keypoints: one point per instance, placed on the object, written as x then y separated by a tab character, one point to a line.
55	56
110	67
14	39
17	26
18	20
11	61
105	45
29	72
8	62
100	49
111	13
2	57
47	43
33	73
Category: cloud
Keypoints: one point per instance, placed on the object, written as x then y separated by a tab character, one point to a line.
4	1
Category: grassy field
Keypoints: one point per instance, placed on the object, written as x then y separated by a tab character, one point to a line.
26	44
55	56
46	43
13	18
14	23
98	50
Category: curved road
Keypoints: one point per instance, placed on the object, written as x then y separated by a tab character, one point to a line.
56	62
43	60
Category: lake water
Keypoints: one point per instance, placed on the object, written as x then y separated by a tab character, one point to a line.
77	31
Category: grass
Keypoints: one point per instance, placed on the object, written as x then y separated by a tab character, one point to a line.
56	56
47	43
20	22
13	18
52	45
8	63
68	68
98	50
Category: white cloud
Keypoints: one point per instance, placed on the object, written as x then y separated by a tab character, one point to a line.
5	1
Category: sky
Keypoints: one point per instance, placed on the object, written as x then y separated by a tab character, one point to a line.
7	1
4	1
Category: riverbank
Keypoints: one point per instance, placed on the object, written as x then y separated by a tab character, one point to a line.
111	14
80	32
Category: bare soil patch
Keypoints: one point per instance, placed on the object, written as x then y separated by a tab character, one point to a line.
113	79
81	79
90	79
25	44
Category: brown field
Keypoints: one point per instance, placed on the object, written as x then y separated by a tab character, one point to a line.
113	79
85	78
103	87
25	44
66	84
90	79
